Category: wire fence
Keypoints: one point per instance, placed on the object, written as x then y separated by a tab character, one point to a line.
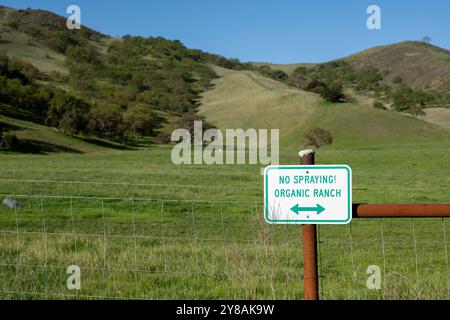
133	247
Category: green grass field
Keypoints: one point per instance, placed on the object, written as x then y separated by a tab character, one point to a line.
141	227
136	241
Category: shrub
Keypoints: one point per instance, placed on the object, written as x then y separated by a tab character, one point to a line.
163	138
187	122
318	137
332	93
379	105
12	23
315	86
415	111
397	79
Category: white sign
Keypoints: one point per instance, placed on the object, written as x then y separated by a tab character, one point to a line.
313	194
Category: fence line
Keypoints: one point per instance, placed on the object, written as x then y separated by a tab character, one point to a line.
74	182
225	241
125	198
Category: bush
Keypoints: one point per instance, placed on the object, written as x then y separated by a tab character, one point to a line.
379	105
416	111
12	23
332	93
163	138
397	79
315	86
318	137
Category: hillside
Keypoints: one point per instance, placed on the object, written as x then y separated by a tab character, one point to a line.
42	140
23	47
288	68
130	87
85	83
243	99
408	77
420	65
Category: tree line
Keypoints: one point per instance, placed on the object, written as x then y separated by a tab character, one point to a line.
22	97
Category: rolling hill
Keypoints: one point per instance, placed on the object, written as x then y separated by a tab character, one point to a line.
97	82
244	99
420	65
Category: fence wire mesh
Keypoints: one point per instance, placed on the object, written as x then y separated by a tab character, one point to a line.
140	248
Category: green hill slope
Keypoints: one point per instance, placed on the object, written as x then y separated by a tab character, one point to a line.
38	139
129	87
166	77
25	48
242	99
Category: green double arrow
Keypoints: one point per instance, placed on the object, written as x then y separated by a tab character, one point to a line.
318	209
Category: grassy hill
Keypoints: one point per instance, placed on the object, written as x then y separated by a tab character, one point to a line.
410	76
263	102
419	65
41	140
31	39
151	82
243	99
23	47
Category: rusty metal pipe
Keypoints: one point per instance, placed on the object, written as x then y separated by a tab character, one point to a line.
309	240
401	210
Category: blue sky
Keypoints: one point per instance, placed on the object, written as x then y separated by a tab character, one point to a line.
278	31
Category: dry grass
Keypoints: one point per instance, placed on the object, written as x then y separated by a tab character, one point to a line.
243	99
439	116
419	65
23	47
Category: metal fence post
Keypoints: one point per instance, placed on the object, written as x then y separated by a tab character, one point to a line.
309	240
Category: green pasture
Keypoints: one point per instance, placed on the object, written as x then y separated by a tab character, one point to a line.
140	227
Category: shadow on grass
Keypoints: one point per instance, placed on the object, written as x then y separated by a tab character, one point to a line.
118	145
41	148
108	144
9	127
